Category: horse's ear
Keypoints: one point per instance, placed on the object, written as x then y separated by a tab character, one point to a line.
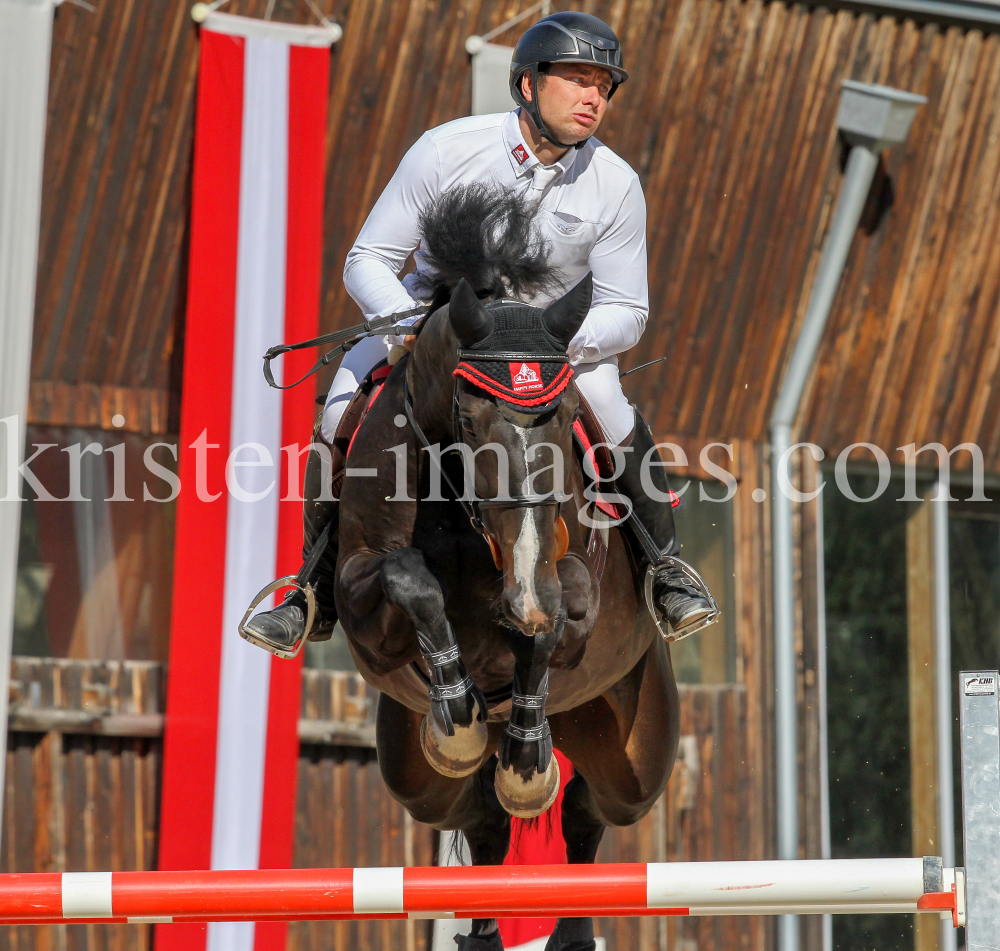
562	318
471	322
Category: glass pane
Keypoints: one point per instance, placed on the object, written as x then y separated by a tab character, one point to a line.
868	688
705	530
333	654
95	563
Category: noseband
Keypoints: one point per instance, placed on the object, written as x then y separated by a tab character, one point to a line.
475	507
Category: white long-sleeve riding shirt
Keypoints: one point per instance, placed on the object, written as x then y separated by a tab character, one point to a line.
593	215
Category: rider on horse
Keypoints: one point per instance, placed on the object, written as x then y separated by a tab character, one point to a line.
590	209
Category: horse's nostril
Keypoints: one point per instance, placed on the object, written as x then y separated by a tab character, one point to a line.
534	612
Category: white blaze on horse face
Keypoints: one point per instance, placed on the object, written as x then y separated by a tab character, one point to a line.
526	552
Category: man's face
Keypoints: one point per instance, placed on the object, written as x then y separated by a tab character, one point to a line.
573	98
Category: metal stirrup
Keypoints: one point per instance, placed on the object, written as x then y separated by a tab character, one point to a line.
695	580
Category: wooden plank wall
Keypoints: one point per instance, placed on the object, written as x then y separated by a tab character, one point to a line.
81	794
729	120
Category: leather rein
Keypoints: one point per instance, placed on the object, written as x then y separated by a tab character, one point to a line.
391	325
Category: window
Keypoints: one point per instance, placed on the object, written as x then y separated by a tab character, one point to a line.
868	691
94	574
705	530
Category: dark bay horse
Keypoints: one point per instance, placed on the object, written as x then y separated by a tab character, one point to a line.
496	638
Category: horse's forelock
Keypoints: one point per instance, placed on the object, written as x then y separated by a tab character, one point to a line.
485	233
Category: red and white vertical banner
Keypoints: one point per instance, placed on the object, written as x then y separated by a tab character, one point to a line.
231	742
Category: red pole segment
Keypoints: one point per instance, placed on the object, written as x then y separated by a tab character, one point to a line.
264	892
31	895
517	888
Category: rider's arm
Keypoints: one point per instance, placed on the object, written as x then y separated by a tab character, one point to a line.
621	296
391	233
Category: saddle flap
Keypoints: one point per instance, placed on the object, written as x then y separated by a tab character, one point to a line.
592	444
350	423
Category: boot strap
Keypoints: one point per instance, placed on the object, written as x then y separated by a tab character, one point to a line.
450	691
532	734
528	701
441	658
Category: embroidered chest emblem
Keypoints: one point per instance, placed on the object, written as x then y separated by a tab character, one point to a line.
520	153
525	377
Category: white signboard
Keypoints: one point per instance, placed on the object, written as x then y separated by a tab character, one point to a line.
490	75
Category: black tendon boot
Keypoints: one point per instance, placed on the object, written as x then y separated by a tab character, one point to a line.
682	603
282	629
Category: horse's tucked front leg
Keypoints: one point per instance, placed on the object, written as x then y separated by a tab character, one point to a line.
527	781
454	736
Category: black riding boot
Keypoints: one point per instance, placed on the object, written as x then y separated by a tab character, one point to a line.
284	627
682	603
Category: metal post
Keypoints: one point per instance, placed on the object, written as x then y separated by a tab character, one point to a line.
25	41
942	662
870	118
826	850
980	725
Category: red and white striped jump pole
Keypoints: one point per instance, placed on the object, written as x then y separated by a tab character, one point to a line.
839	886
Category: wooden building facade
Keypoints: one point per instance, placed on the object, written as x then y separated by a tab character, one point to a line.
729	119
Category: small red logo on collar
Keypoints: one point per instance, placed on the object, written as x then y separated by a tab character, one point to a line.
520	153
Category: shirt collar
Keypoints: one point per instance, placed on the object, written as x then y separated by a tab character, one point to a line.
522	159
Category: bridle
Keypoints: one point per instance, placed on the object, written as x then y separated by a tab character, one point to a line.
474	507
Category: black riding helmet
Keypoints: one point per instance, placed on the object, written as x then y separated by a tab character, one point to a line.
567	37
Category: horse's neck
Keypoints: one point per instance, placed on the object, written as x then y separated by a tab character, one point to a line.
430	377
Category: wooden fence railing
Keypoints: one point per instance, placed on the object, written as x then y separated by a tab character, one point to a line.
82	788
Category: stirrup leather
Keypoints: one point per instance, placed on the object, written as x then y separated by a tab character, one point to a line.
691	577
281	650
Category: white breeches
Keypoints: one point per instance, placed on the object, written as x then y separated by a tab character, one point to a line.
598	382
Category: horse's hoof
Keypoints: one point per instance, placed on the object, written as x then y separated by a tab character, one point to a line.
455	756
527	798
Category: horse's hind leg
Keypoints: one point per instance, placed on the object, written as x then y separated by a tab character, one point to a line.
624	743
488	833
469	805
582	831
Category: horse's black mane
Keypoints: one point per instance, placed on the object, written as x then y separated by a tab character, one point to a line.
485	233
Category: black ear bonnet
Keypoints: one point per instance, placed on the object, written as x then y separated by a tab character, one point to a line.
517	352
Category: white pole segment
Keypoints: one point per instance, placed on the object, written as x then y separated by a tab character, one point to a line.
819	882
25	42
